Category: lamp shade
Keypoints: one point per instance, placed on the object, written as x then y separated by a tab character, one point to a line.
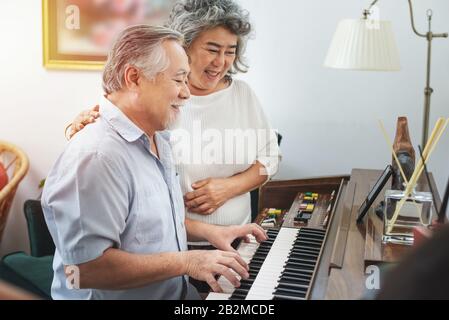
363	45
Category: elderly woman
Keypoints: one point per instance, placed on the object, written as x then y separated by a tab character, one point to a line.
223	144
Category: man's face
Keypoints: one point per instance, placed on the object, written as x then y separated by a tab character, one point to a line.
162	97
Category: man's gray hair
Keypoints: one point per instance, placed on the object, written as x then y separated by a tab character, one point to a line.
191	17
139	46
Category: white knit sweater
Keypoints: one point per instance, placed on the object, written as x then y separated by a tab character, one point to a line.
205	145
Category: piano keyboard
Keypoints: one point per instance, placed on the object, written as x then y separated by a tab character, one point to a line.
280	268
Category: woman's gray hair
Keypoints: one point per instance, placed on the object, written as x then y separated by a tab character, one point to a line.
191	17
139	46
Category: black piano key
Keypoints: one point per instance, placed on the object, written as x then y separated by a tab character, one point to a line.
301	260
296	261
309	253
254	266
285	297
310	233
244	285
253	273
290	293
298	270
262	251
293	286
287	288
258	255
264	246
238	297
295	275
297	280
300	254
266	243
306	253
314	231
252	278
243	291
313	236
310	240
246	282
254	269
257	265
257	258
306	246
299	265
307	243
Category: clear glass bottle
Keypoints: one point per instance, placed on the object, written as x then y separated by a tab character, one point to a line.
417	211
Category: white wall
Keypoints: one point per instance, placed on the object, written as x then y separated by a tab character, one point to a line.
327	117
35	104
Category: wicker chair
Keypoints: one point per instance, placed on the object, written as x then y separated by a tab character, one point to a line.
21	164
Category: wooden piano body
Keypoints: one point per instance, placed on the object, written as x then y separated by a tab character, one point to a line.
340	271
282	195
342	266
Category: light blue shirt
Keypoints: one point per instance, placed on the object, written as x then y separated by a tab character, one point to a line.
108	190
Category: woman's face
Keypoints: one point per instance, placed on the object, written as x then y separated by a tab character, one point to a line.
211	55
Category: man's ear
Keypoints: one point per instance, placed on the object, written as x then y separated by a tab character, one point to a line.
132	78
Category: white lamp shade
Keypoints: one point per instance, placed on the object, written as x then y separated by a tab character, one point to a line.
363	45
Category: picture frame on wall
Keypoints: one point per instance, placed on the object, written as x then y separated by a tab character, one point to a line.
77	34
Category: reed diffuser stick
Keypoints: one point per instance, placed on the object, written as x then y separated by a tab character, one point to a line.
433	141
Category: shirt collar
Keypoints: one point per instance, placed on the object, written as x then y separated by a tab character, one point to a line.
166	135
127	129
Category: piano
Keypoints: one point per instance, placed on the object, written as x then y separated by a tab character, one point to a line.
323	257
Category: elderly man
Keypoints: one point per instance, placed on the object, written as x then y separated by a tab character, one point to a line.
113	202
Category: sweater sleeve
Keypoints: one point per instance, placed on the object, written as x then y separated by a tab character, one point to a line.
268	151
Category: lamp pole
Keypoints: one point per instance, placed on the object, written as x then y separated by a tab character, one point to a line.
428	90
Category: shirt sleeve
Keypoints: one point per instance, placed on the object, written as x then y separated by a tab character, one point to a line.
88	203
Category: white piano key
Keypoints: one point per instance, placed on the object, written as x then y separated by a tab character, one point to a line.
218	296
267	278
